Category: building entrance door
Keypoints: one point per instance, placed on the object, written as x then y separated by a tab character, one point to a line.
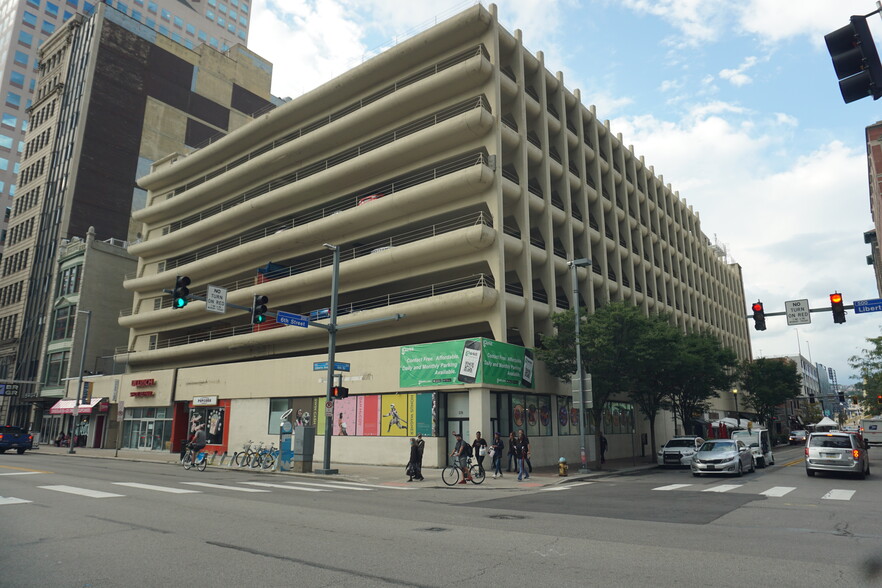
146	429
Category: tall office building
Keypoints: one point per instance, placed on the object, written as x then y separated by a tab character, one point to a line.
26	24
874	173
112	97
457	178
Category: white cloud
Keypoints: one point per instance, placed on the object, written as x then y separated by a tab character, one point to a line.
737	76
699	21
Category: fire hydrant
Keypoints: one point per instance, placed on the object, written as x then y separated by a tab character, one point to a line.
562	466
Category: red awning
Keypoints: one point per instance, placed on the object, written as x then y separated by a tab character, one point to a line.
66	406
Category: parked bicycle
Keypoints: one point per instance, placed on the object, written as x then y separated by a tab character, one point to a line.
268	457
452	474
243	458
199	461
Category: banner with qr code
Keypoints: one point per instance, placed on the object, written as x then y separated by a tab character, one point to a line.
466	361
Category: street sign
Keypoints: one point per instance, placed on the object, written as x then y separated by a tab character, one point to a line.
339	366
329	408
874	305
216	299
798	312
289	318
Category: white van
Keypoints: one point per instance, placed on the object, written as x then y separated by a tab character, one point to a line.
871	429
760	445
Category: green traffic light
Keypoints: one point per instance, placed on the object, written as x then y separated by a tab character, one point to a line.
259	318
180	302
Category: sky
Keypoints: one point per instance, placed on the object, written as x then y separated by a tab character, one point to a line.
736	104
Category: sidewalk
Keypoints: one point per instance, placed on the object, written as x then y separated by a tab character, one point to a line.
369	474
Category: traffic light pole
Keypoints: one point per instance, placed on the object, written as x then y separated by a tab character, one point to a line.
784	313
332	350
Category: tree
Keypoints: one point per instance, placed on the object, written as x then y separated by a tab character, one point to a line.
811	413
769	383
869	367
703	367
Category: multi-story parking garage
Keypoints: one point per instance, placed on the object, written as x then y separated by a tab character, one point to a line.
458	176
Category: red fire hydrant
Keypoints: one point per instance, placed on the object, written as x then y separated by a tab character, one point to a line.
562	466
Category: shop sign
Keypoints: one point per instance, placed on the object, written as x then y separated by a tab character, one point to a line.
140	393
143	383
205	401
470	361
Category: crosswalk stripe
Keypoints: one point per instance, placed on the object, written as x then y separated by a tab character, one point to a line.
723	488
362	484
157	488
566	486
12	500
337	486
672	487
19	473
221	486
265	485
82	491
778	491
838	495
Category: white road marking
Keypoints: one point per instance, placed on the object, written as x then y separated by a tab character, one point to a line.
778	491
566	486
157	488
221	486
672	487
82	491
337	486
265	485
838	495
20	473
723	488
12	500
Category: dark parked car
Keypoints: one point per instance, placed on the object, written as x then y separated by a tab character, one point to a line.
15	438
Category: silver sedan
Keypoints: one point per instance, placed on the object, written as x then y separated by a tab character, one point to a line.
722	456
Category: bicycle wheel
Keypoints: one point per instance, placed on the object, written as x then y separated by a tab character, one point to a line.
188	460
202	462
237	457
477	473
267	461
255	460
450	475
245	460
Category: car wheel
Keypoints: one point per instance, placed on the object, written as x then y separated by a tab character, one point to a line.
761	462
20	450
862	475
809	472
752	466
740	471
773	461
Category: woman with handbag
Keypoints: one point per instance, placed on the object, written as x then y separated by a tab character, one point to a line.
479	449
414	467
496	454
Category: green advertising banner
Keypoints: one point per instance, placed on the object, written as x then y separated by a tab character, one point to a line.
466	361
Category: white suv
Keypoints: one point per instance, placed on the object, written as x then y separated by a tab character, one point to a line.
679	450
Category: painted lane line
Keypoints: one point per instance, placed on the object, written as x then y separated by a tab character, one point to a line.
5	467
221	486
838	495
672	487
20	473
82	491
157	488
265	485
566	486
12	500
778	491
336	486
363	485
723	488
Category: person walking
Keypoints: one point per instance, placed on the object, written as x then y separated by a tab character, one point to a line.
421	447
603	447
526	442
479	449
522	450
414	470
496	453
511	452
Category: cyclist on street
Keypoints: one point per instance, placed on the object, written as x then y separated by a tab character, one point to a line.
198	443
461	452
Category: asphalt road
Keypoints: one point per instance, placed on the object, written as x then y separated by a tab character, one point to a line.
158	525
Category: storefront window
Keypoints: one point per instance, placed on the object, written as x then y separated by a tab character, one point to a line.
214	419
147	428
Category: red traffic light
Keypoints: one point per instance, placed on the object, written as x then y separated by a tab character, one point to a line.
759	316
837	307
339	392
835	298
757	307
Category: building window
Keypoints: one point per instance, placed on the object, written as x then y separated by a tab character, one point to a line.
26	39
222	8
152	7
13	99
166	15
56	368
17	79
191	30
122	7
69	282
62	327
6	142
21	58
29	19
209	14
73	3
34	3
48	28
178	22
136	14
52	9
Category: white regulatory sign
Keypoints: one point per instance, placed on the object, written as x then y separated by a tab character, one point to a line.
216	299
798	312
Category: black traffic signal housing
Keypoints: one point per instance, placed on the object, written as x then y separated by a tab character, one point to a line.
258	309
759	316
181	292
855	60
339	392
837	307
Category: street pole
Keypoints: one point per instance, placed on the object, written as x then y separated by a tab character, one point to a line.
76	407
583	468
332	348
738	418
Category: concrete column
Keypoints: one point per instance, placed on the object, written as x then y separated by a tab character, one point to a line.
479	413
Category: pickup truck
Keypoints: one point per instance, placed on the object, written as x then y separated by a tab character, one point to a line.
15	438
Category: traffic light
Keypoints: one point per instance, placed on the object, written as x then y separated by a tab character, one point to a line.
759	316
258	309
181	291
339	392
855	60
837	308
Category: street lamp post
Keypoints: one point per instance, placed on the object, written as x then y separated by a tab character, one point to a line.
76	406
583	262
737	416
332	349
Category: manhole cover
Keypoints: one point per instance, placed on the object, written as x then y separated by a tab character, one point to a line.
507	517
434	529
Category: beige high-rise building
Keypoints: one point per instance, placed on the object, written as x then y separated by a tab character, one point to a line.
458	177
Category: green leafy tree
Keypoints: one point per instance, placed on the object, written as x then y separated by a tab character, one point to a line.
810	413
869	367
703	367
769	383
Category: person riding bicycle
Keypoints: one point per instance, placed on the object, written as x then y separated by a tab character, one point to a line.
198	442
462	451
